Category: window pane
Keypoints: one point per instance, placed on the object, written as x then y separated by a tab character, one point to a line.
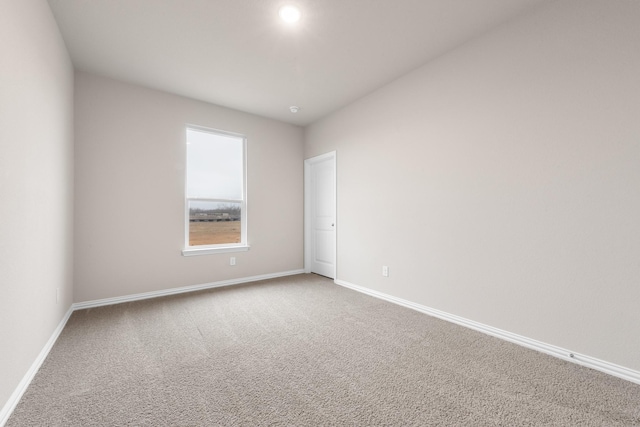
214	166
213	223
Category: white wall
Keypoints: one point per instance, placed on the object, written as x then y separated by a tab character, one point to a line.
501	182
129	210
36	185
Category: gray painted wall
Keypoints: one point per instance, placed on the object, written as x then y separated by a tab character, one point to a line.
501	182
36	185
129	211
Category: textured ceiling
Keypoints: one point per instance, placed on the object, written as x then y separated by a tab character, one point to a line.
238	54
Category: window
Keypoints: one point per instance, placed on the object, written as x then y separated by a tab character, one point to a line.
215	201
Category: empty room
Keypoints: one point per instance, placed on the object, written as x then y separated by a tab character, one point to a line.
311	213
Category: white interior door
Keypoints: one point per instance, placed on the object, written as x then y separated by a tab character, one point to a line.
320	215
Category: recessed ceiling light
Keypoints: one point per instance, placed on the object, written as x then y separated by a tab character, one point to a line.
294	109
290	14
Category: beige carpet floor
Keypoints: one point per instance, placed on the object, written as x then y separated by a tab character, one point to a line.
301	351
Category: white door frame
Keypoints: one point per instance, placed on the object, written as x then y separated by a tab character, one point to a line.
307	210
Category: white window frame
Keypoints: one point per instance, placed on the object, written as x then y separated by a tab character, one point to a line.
223	247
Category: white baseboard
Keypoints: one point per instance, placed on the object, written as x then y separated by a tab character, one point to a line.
11	404
580	359
181	290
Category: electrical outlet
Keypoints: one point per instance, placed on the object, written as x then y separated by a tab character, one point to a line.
385	271
232	260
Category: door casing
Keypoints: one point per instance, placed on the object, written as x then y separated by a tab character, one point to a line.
308	221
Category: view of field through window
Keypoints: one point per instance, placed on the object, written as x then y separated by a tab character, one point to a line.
214	225
215	188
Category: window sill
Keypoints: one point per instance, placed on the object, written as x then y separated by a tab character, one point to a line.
217	250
